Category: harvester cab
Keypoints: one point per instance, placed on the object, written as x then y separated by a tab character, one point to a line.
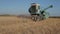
34	9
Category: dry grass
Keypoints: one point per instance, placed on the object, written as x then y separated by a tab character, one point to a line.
15	25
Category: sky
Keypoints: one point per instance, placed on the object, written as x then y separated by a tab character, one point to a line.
16	7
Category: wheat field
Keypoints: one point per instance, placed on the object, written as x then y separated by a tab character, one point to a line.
15	25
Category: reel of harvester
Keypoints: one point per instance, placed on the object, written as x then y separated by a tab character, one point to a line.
36	13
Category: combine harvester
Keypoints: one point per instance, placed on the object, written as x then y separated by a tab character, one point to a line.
38	14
